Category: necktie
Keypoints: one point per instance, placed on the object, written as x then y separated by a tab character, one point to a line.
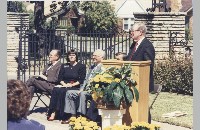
134	49
49	68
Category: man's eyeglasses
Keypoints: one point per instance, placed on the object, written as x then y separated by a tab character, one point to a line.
134	30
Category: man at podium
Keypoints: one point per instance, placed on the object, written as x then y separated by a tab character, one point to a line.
141	50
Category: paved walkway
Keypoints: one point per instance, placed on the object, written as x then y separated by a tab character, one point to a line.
39	115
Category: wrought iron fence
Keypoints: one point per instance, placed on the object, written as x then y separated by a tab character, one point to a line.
35	47
177	40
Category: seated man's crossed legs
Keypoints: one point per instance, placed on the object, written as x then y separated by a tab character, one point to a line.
38	83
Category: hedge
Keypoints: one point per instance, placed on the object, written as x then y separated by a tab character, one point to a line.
175	75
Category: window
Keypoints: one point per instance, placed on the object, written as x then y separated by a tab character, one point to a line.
63	21
128	23
125	26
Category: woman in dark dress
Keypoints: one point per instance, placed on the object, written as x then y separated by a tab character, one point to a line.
72	74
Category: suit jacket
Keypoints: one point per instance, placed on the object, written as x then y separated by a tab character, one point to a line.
144	52
53	73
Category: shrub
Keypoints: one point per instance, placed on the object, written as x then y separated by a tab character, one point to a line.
175	75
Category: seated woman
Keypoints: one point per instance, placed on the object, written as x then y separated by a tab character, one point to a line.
72	74
18	103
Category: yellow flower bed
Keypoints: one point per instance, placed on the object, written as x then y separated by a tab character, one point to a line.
81	123
134	126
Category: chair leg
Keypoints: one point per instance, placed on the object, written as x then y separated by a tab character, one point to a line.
39	98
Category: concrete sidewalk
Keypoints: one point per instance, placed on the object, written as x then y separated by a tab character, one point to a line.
39	115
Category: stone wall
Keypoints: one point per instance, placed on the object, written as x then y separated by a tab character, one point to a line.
14	24
159	25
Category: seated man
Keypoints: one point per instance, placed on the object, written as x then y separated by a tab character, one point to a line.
73	95
118	57
50	75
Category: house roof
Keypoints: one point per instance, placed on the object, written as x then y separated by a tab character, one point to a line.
125	8
186	5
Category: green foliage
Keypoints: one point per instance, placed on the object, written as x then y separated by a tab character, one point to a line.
99	15
188	34
64	5
21	7
175	75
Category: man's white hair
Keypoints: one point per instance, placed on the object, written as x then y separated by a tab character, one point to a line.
100	52
140	26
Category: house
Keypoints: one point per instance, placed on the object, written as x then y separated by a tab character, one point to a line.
124	10
67	17
175	6
187	7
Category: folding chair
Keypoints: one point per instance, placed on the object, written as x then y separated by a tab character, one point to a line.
39	93
157	90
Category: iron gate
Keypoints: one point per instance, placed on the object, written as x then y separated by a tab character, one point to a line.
35	47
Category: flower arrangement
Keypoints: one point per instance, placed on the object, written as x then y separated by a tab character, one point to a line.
112	85
134	126
81	123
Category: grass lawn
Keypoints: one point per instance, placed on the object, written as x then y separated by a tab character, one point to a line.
170	102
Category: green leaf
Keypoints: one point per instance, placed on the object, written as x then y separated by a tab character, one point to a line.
122	84
136	94
117	96
128	95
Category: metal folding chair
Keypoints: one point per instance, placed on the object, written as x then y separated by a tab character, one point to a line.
157	90
39	93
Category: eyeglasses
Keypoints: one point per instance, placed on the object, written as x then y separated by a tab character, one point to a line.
134	30
95	55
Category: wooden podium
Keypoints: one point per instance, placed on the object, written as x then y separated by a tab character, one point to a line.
138	111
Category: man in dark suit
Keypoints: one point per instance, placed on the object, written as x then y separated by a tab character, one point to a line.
50	74
141	50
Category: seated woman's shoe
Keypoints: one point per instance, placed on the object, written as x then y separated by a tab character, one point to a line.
65	122
51	118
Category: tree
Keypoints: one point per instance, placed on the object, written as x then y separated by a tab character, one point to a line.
16	6
99	16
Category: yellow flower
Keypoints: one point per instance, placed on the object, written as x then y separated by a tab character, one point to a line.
109	81
102	79
84	123
83	119
77	124
86	127
77	127
117	80
71	123
72	119
96	127
96	79
96	85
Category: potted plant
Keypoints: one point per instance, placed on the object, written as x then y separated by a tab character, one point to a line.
113	86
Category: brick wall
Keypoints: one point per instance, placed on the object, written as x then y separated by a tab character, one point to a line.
159	25
13	22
